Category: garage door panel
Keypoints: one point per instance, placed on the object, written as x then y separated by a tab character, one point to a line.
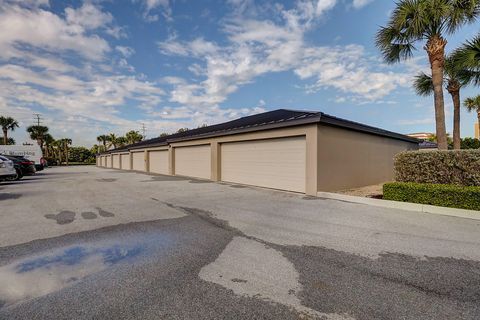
125	161
193	161
138	161
158	161
108	162
273	163
116	161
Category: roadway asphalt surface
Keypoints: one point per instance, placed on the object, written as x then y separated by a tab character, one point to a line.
90	243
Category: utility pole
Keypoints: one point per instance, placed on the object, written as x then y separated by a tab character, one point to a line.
144	131
38	118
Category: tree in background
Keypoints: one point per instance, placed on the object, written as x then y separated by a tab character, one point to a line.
103	139
163	134
455	78
10	141
112	141
64	147
428	21
473	104
38	133
121	142
7	123
81	154
470	143
48	142
133	136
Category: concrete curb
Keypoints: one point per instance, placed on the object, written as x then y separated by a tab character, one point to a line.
461	213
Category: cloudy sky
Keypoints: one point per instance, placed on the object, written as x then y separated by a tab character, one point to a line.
94	67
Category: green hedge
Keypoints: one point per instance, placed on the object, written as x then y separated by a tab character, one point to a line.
433	194
459	167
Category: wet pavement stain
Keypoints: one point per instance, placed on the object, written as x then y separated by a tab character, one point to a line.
239	280
164	178
408	287
106	180
154	199
200	181
237	186
63	217
9	196
104	213
89	215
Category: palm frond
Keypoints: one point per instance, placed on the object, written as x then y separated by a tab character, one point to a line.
472	104
423	84
461	12
468	55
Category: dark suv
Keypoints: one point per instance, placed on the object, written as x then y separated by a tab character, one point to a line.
23	166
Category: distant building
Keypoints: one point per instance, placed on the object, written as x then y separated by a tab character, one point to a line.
421	135
477	131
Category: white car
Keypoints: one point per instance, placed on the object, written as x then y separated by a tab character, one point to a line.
7	169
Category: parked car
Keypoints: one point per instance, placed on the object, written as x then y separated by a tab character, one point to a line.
22	164
7	170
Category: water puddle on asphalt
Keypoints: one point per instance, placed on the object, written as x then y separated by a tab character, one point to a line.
59	268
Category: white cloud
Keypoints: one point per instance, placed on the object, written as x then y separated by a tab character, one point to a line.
357	4
44	30
125	51
258	47
88	16
155	5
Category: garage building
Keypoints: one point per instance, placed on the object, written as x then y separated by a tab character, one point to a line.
298	151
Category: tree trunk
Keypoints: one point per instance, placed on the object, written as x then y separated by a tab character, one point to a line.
454	90
66	156
436	54
5	137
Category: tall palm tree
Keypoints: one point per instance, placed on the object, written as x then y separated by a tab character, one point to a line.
473	104
112	140
48	141
103	139
38	133
426	21
64	143
7	123
455	78
133	137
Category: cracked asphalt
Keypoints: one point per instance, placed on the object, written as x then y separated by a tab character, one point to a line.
91	243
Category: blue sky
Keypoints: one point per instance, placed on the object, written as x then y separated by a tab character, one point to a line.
94	67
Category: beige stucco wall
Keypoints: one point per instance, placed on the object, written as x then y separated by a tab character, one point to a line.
349	159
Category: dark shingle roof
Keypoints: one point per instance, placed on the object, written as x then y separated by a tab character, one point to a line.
263	121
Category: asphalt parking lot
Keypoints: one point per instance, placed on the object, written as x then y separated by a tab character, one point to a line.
90	243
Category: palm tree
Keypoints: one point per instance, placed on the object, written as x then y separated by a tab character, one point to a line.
103	139
112	140
121	141
7	123
64	143
10	141
48	141
38	133
427	21
468	56
454	79
133	137
473	104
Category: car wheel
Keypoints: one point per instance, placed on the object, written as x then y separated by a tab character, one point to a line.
19	175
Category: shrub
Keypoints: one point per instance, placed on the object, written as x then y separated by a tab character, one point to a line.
459	167
433	194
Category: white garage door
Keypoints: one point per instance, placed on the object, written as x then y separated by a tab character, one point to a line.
116	161
138	161
108	162
273	163
158	161
193	161
125	161
104	161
